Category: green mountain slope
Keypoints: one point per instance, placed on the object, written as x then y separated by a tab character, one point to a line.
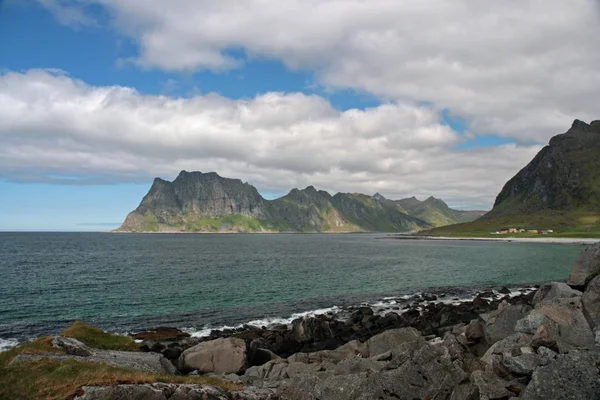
559	189
436	212
197	202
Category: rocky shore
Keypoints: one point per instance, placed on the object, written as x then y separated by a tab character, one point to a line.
537	346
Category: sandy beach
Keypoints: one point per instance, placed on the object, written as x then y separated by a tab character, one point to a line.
549	240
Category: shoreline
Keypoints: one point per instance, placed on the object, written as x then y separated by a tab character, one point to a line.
546	240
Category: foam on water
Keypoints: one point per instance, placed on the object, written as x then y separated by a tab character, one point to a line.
267	322
7	344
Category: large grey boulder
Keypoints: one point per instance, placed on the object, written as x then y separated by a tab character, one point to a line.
591	306
572	376
564	322
221	356
163	391
71	346
311	329
146	362
500	323
549	292
586	267
506	346
423	374
391	339
490	386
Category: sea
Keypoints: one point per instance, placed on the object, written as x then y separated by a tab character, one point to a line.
198	282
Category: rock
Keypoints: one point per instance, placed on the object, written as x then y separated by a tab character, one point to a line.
161	333
221	356
564	321
71	346
285	347
172	353
549	292
546	355
146	362
542	338
121	392
331	356
490	386
388	340
474	332
260	352
163	391
424	374
572	376
522	364
273	370
358	365
591	304
354	348
466	391
504	290
586	267
506	346
500	323
340	387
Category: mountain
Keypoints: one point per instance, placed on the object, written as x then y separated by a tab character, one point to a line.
559	189
436	212
207	202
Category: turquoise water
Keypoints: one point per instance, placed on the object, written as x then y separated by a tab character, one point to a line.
132	281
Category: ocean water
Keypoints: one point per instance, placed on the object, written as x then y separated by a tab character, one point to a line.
128	282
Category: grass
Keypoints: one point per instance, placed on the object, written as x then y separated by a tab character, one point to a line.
567	224
99	339
62	379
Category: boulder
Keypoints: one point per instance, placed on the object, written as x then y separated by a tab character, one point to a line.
311	329
474	332
586	267
71	346
221	356
388	340
564	322
146	362
423	374
161	333
340	387
465	391
572	376
490	386
500	323
163	391
591	306
273	370
521	364
506	346
549	292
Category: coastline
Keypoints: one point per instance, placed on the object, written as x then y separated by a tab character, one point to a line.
546	240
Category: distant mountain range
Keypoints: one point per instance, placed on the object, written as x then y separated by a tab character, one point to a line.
207	202
559	189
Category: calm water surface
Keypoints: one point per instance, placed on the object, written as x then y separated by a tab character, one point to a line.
125	282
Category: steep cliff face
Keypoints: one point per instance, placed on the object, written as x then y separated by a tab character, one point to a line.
558	190
197	202
563	176
193	197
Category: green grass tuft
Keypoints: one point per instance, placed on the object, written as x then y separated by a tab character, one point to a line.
99	339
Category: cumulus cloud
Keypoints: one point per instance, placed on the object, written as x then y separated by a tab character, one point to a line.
515	68
53	126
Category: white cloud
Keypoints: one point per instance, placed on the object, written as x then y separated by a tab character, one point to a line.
517	68
53	125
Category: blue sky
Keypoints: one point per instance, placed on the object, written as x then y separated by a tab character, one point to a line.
367	125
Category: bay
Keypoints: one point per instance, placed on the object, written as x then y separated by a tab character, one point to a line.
126	282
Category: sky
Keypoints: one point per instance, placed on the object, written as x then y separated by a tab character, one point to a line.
401	97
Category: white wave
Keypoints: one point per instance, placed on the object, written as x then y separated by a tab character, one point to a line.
267	322
7	344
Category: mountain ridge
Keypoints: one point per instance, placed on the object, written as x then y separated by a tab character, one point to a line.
207	202
558	190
